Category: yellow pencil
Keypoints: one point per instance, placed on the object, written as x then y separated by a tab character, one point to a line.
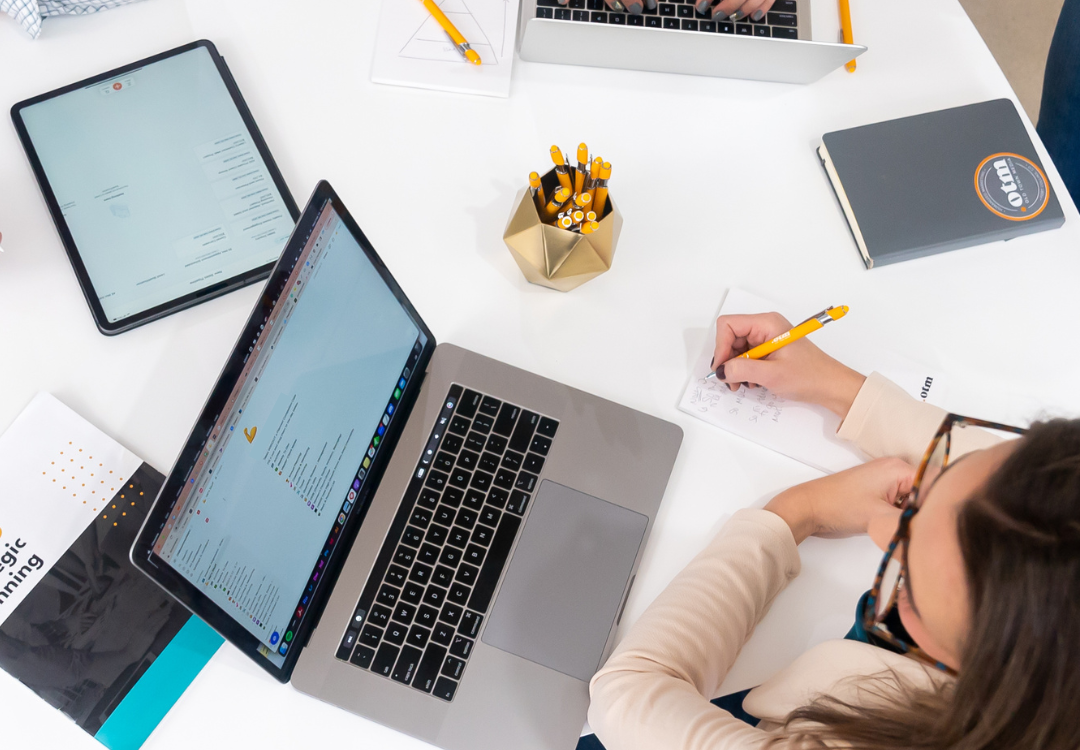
589	227
594	175
582	200
845	27
601	189
562	195
455	36
537	190
560	168
806	327
582	167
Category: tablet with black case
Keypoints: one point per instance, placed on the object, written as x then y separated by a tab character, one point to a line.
160	184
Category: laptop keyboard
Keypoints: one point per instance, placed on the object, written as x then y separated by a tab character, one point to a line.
433	581
780	22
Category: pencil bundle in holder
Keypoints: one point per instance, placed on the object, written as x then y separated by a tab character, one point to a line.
582	185
564	226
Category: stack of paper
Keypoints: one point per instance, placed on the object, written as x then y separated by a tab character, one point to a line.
413	50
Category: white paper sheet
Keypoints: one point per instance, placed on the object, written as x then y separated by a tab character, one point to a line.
57	472
797	430
413	50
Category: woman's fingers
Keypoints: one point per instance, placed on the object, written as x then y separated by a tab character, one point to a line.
737	10
737	333
725	8
751	9
758	12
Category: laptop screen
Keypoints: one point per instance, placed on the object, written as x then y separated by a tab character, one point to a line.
265	503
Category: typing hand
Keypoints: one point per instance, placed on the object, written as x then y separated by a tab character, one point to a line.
799	371
861	500
734	10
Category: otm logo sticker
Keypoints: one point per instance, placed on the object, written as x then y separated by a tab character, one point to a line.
1012	186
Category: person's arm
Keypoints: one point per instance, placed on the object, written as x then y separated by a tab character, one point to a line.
885	421
877	415
654	691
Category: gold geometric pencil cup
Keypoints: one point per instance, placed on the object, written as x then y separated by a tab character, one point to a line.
554	257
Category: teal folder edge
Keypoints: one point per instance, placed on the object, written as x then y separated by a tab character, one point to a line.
143	708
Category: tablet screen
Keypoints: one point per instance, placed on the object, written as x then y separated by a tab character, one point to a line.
160	182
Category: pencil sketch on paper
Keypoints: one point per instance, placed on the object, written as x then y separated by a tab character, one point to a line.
757	406
482	22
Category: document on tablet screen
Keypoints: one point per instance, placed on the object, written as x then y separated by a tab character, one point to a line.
159	181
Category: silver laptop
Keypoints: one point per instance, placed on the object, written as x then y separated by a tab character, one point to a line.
418	534
673	37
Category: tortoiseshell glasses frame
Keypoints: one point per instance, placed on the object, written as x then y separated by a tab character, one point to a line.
893	571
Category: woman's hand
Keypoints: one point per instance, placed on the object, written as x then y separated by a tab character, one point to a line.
846	503
735	10
799	371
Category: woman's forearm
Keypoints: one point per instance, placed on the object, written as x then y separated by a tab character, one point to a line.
654	691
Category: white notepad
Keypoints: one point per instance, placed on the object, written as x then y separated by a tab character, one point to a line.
797	430
413	50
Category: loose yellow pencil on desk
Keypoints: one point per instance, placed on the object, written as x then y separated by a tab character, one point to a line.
537	191
601	189
562	195
845	28
561	170
582	167
451	31
807	326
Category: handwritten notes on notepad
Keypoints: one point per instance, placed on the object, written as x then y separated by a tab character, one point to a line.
798	430
413	50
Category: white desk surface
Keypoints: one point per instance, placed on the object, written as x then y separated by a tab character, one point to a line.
759	214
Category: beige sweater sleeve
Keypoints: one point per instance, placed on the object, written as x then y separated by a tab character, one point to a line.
885	421
655	689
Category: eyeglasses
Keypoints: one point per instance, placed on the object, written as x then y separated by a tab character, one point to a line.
892	575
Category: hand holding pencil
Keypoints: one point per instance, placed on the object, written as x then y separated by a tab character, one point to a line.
799	371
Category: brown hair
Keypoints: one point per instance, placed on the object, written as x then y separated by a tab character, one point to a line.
1019	682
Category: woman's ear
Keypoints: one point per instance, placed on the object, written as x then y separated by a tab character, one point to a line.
882	527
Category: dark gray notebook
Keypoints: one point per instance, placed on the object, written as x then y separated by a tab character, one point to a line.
939	181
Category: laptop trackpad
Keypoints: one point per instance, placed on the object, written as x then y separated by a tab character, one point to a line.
566	581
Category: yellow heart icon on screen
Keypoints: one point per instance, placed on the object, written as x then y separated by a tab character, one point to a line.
250	435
